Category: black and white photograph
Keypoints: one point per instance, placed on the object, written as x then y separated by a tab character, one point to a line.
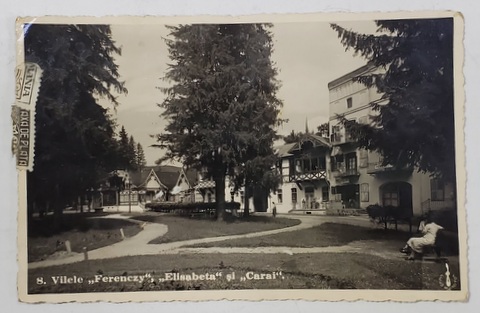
315	157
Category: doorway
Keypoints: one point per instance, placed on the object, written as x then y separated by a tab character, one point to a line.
309	198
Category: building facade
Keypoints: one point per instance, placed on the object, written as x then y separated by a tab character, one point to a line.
333	175
150	183
205	192
357	176
303	168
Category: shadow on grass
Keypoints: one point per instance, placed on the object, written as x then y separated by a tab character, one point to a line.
81	230
325	235
44	227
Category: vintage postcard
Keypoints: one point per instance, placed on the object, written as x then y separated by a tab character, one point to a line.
274	157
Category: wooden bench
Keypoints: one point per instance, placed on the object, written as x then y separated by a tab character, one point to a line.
446	243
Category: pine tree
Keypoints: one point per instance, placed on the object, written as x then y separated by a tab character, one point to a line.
221	109
124	154
415	121
140	156
74	134
132	153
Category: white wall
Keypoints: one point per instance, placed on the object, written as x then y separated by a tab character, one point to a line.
361	97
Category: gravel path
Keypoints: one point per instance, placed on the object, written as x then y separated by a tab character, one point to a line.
138	244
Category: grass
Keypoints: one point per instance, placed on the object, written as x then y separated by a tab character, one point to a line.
305	271
185	228
325	235
336	234
82	230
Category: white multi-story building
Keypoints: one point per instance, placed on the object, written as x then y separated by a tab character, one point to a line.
356	176
303	168
332	174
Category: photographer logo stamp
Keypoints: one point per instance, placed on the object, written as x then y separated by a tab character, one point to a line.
447	280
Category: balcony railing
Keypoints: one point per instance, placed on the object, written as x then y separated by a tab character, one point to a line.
311	175
338	138
377	167
345	172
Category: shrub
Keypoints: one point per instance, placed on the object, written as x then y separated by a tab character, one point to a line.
189	207
384	214
445	218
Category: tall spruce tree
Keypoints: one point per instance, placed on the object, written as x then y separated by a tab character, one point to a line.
415	121
140	157
221	108
123	149
127	150
74	135
132	153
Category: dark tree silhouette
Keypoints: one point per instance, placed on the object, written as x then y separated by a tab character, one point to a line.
221	109
415	121
75	142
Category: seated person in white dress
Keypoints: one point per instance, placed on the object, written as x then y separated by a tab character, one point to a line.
415	245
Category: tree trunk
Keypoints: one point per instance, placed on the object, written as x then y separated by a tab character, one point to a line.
82	200
220	194
57	209
260	199
246	208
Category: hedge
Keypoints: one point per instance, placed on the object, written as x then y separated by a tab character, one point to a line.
189	207
385	214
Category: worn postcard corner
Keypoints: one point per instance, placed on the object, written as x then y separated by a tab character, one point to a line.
313	157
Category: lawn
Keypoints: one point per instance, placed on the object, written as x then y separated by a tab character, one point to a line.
325	235
186	228
337	234
305	271
82	230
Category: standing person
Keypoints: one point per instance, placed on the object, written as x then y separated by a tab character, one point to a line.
274	209
415	245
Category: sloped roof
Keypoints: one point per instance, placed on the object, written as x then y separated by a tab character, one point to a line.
344	78
323	140
192	176
318	141
167	174
284	150
138	178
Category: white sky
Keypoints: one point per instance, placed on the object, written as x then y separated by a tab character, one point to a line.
307	55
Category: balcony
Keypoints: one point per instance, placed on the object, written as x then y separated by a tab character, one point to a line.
345	172
338	138
379	168
310	175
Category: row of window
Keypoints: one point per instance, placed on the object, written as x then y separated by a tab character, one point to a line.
309	192
389	198
339	162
